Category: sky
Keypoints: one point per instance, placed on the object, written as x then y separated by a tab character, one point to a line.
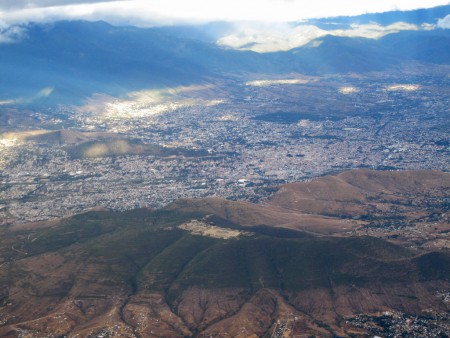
162	12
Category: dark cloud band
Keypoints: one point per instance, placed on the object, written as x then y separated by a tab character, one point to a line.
21	4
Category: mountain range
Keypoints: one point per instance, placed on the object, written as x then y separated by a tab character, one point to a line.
78	58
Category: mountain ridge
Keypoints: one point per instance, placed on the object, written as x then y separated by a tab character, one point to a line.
147	272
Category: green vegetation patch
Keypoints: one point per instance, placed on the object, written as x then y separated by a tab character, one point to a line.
66	233
162	271
291	264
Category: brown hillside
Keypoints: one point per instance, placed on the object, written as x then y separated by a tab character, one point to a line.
249	214
361	192
142	273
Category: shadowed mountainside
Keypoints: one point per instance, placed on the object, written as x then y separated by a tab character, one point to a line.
69	61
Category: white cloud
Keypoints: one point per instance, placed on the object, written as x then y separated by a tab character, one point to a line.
444	23
374	31
428	26
145	12
9	34
9	4
270	38
267	38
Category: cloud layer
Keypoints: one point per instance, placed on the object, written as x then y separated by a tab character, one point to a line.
282	37
260	25
10	34
444	23
145	12
22	4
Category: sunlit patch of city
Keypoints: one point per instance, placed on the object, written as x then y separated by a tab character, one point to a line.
348	90
403	87
142	105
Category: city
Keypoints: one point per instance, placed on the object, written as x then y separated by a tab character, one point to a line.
257	138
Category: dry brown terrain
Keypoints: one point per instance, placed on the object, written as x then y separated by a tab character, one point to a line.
300	265
363	192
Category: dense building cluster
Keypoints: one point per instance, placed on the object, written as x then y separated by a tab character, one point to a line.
257	137
396	324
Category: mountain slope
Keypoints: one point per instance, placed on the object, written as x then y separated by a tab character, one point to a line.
333	54
113	268
364	193
188	270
